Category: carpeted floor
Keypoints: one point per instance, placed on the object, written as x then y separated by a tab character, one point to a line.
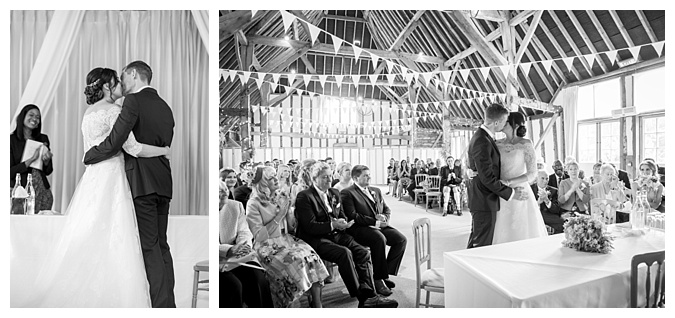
449	233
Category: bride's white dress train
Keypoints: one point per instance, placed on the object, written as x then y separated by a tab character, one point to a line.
97	261
518	219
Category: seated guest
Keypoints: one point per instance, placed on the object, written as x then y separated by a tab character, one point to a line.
243	284
403	179
547	198
609	187
445	176
243	192
573	193
419	169
334	174
390	168
304	179
322	224
292	266
649	181
344	169
623	176
433	170
365	206
453	195
596	177
229	177
244	167
558	175
392	177
29	127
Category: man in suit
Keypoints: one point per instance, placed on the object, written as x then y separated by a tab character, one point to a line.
486	188
322	224
547	198
558	175
371	216
151	120
243	192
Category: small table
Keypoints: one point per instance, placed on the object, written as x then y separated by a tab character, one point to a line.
543	273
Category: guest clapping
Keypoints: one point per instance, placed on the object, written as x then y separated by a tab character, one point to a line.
404	179
29	127
648	182
573	193
547	198
610	187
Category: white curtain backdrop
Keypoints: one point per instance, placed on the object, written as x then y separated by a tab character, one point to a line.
569	104
169	41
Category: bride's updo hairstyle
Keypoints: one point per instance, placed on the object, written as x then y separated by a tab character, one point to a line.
95	81
517	119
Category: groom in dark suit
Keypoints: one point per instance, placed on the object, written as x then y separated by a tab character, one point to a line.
371	215
486	188
151	120
322	224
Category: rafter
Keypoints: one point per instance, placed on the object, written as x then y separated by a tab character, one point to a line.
229	23
573	45
556	45
600	29
622	28
523	16
343	18
586	39
645	24
528	36
412	24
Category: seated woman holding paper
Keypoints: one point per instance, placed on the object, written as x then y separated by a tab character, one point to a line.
292	266
30	154
239	283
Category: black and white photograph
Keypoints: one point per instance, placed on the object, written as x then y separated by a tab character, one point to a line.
442	158
108	159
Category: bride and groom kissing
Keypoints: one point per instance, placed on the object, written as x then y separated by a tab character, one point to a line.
502	204
113	251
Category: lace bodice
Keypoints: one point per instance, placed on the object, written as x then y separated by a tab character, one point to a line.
96	126
516	160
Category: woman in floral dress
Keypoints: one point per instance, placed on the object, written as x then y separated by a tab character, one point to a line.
293	267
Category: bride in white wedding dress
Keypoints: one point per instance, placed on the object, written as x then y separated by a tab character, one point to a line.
517	219
97	261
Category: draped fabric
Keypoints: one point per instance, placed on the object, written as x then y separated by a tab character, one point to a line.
569	104
169	41
202	21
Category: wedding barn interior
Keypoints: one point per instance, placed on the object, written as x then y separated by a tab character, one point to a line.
454	158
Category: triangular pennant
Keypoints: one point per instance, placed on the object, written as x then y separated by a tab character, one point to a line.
357	52
590	58
355	79
313	32
568	62
415	76
526	68
253	12
635	51
307	78
275	77
505	69
465	74
233	73
374	58
407	77
403	69
427	77
373	78
446	75
322	79
337	43
262	75
291	78
390	79
264	110
287	18
611	55
254	108
485	71
338	79
658	46
390	65
547	65
244	77
259	81
273	86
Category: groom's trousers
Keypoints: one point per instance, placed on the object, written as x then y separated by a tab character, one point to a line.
152	215
482	228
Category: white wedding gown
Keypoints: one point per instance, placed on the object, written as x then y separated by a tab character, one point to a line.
518	219
97	261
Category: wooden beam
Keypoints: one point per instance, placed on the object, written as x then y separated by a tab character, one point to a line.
488	51
587	40
546	131
622	28
231	22
646	65
490	15
528	36
343	18
309	65
600	29
645	24
558	48
412	24
569	39
234	112
509	49
241	38
279	42
523	16
472	49
533	104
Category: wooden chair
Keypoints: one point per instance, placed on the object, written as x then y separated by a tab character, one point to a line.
659	292
550	230
433	190
431	279
419	180
202	266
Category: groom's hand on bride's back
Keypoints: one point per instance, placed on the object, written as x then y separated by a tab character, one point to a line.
520	194
168	152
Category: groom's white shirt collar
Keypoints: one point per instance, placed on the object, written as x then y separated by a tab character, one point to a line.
144	87
487	130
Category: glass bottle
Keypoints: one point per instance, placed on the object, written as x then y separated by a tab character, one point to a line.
639	213
30	200
17	203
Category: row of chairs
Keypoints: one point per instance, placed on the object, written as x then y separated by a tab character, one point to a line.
429	187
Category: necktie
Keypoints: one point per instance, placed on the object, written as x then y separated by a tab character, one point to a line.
368	194
324	197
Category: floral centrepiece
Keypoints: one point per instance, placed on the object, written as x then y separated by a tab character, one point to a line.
586	234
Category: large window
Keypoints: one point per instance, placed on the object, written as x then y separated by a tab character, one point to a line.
609	142
588	149
650	88
599	99
653	139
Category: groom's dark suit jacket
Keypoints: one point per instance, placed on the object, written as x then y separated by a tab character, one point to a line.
486	189
151	120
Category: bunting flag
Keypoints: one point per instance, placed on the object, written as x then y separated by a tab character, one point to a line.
262	75
407	77
244	78
291	78
374	58
505	70
222	75
355	80
568	62
427	77
275	77
287	18
337	43
658	46
373	78
635	51
611	55
233	73
446	75
526	68
590	58
313	32
465	74
307	78
390	79
338	79
547	65
485	71
322	79
253	12
259	81
390	65
357	51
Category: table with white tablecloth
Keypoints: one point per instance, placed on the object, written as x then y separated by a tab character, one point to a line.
543	273
187	236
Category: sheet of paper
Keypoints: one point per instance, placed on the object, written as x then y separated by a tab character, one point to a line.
29	150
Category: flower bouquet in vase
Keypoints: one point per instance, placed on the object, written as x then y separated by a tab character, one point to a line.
587	234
